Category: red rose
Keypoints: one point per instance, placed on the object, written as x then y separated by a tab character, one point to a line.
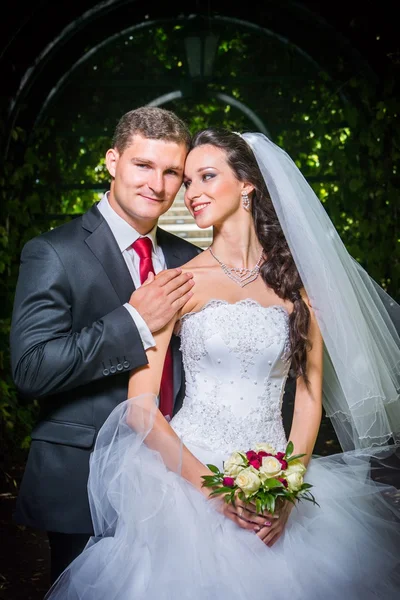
251	455
284	464
255	462
280	455
282	480
228	482
261	454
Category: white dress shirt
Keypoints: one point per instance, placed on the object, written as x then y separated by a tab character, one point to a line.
125	236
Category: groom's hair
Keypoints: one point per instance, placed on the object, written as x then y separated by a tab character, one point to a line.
153	123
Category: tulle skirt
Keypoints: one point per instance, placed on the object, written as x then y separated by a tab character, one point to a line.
158	538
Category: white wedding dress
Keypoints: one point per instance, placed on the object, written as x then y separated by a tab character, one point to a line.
157	538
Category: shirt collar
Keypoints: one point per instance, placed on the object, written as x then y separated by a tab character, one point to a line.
124	233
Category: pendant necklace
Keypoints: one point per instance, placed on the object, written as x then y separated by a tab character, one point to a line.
241	276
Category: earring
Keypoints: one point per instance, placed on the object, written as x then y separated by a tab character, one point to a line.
245	200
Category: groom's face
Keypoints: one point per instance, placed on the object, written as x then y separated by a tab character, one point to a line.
147	176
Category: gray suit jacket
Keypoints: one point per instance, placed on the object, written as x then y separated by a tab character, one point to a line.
73	345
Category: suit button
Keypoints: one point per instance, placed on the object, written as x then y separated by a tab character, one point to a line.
113	370
106	372
125	364
119	367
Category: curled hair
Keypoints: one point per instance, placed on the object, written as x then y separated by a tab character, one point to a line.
153	123
279	270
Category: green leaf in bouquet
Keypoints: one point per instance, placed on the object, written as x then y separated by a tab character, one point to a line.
242	496
294	457
270	503
272	483
213	468
225	489
306	486
231	497
212	480
266	505
289	449
309	497
216	492
291	498
280	493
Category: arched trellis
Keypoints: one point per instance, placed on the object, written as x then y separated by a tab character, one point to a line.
40	81
196	24
217	90
193	24
250	114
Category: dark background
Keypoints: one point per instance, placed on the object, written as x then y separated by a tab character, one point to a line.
369	28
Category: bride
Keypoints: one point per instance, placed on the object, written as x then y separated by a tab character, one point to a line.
275	292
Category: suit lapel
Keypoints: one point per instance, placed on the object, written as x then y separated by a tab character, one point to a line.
103	244
173	258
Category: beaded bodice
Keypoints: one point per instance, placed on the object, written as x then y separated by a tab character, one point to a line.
236	363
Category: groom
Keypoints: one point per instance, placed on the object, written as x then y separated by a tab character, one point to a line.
81	322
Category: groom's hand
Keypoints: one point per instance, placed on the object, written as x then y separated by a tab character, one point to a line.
161	296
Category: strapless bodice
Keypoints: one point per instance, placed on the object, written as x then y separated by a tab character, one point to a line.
236	364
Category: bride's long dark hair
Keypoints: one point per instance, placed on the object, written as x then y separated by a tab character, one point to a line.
279	270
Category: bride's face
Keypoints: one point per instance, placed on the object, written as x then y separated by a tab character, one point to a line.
213	193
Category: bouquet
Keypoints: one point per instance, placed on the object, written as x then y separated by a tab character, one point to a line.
261	476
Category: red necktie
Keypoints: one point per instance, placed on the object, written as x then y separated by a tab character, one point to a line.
143	247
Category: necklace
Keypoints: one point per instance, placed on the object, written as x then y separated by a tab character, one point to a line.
241	276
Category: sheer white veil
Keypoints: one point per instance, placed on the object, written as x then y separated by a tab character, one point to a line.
356	317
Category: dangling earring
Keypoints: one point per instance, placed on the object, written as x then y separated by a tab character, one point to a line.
245	200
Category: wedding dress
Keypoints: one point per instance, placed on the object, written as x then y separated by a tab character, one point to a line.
157	538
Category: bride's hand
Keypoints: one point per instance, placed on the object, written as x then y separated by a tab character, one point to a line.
242	514
274	525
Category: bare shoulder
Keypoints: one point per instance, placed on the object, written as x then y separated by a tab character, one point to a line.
203	270
200	266
199	261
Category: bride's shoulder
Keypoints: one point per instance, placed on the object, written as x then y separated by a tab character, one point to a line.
202	270
199	262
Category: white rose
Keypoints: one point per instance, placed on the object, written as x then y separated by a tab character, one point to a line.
296	466
270	467
233	465
295	481
265	448
248	480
